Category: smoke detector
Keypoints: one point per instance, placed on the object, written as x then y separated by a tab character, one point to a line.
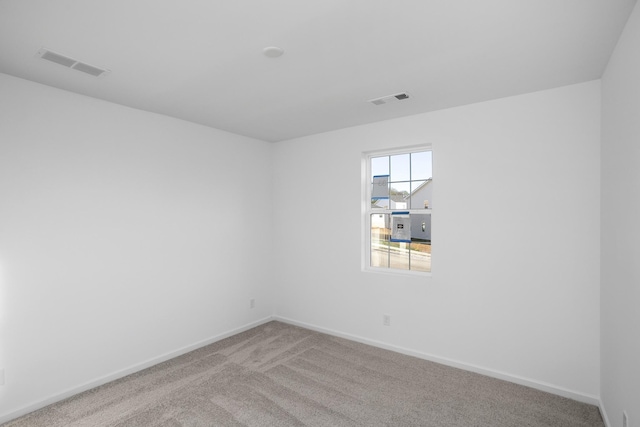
272	51
71	63
389	98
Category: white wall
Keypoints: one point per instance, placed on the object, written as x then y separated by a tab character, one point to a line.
620	292
515	285
116	229
115	247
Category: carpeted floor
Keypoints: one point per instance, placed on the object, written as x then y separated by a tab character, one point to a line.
282	375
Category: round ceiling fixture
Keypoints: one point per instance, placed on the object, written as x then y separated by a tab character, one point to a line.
272	51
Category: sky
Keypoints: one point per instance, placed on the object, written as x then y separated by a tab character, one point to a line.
403	167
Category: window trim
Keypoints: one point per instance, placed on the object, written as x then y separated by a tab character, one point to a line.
367	211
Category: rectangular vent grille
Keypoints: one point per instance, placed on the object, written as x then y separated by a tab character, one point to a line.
71	63
58	59
86	68
389	98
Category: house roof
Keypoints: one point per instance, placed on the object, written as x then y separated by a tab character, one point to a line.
420	187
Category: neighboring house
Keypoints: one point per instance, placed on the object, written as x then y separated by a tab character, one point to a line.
421	227
421	197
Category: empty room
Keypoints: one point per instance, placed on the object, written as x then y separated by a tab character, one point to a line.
322	213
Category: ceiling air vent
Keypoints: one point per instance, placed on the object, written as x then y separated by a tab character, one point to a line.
389	98
71	63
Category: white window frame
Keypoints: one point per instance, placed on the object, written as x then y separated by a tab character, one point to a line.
367	210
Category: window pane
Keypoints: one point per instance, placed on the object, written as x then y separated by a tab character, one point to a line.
421	242
379	166
421	194
379	203
380	233
421	165
400	168
421	256
399	255
400	192
380	191
421	228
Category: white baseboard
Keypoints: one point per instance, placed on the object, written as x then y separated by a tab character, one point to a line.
539	385
124	372
603	413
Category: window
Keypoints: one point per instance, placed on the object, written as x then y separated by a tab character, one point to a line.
398	203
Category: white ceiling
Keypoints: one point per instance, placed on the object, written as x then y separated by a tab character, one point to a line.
202	61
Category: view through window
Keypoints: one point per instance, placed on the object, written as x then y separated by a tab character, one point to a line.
399	214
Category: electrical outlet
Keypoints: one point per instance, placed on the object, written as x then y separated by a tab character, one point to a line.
386	320
252	303
2	376
625	419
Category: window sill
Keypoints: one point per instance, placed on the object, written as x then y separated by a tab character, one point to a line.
396	272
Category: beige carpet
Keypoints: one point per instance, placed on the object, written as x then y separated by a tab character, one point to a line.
281	375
